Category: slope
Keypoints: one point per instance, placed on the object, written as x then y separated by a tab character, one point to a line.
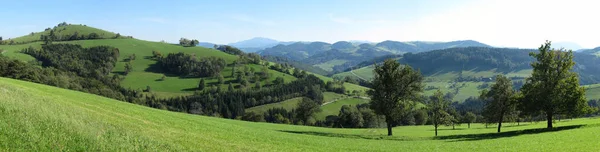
64	30
41	118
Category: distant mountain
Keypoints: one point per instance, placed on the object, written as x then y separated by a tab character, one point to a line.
206	44
594	51
256	44
487	62
343	54
567	45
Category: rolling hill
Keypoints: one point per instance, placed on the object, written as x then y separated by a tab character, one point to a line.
39	118
342	55
141	75
466	71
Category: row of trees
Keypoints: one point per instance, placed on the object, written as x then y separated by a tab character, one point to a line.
551	90
187	42
187	65
72	67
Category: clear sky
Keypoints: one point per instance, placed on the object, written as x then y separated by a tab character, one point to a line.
507	23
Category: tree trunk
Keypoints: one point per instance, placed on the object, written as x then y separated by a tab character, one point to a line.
453	126
436	130
388	120
549	119
469	125
500	121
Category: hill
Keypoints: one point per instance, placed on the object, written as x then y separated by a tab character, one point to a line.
142	74
466	71
65	31
256	44
42	118
342	55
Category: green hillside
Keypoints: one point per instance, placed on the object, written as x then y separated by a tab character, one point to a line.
142	76
35	117
65	30
327	109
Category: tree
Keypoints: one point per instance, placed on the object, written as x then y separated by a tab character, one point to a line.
128	68
438	107
393	88
315	93
278	81
420	117
201	85
470	118
350	117
306	109
553	88
221	79
230	87
500	100
257	85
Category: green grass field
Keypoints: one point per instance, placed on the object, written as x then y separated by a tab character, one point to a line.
36	117
328	66
292	103
334	107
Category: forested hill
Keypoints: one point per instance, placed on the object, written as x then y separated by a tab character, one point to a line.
482	59
341	55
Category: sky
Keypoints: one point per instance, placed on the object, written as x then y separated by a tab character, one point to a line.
501	23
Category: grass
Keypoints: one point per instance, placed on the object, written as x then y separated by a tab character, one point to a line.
334	107
292	103
328	66
287	104
141	77
36	117
66	30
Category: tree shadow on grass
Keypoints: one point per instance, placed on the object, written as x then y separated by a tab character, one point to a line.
475	137
355	136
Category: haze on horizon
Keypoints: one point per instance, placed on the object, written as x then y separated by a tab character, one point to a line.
503	23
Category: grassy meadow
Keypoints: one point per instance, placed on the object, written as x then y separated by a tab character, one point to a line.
36	117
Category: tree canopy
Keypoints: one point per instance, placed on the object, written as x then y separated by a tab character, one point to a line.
394	86
553	88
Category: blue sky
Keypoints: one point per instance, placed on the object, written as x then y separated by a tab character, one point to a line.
510	23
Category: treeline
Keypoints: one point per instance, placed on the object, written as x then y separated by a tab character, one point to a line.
187	42
190	66
231	103
481	58
296	64
71	67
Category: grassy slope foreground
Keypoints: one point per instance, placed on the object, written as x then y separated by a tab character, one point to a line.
35	117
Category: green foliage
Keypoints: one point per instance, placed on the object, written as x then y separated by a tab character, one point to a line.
187	42
128	68
438	108
201	85
85	122
278	81
306	109
187	65
393	87
500	101
553	88
349	117
470	118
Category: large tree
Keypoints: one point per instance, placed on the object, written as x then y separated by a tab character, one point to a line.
394	86
306	109
470	118
500	100
553	88
438	109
